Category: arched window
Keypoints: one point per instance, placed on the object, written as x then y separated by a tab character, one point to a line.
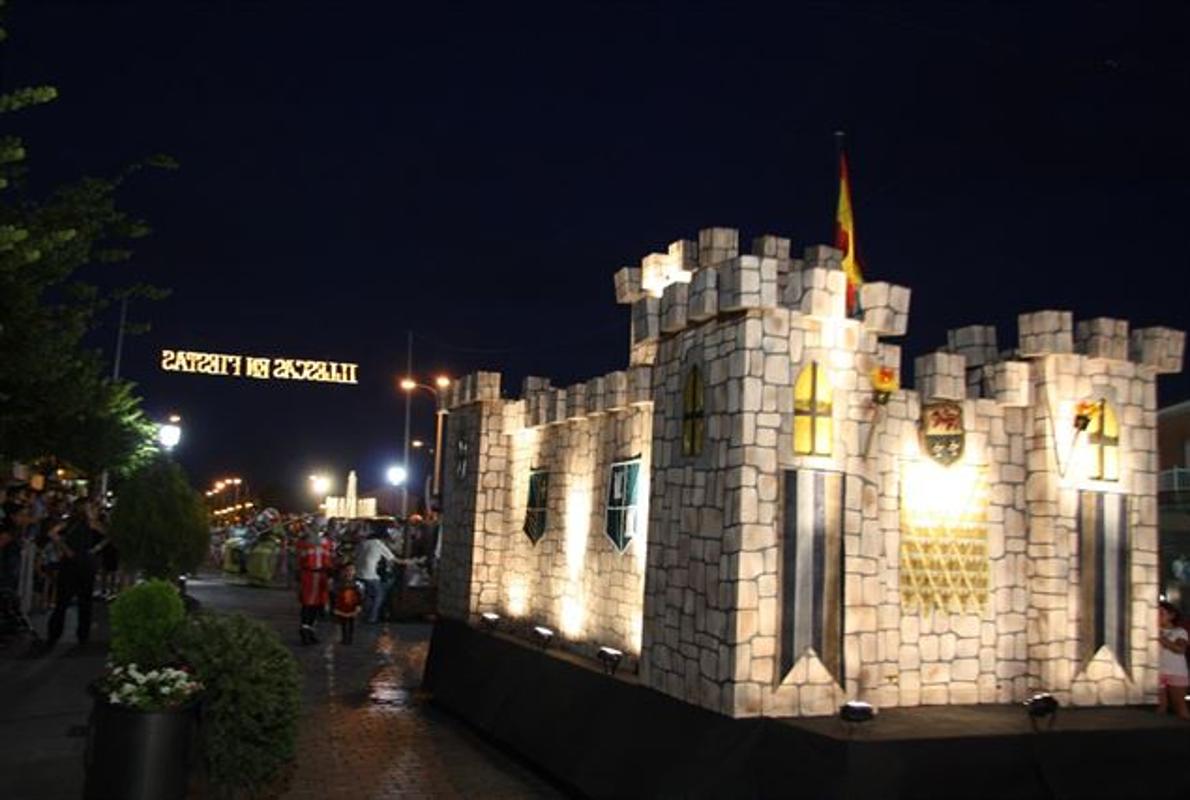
812	412
1104	436
693	413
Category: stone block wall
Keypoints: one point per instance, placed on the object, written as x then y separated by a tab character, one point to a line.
573	579
704	596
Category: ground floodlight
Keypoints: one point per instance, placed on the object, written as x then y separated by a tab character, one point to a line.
1042	706
489	620
857	712
543	635
610	657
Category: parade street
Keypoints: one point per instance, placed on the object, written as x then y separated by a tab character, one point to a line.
365	730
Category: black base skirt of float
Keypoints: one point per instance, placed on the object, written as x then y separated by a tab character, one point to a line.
602	736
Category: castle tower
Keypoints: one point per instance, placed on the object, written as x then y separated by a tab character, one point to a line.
765	531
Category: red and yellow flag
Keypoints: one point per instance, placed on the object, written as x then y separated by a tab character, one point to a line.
845	239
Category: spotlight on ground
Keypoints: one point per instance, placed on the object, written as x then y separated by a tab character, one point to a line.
1042	706
489	620
610	657
857	712
543	635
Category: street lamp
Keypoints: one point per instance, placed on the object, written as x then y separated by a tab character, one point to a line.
438	390
320	484
396	475
170	433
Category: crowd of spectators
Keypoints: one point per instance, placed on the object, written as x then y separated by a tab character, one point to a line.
54	552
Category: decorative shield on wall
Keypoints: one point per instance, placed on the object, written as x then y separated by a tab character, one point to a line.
942	435
462	456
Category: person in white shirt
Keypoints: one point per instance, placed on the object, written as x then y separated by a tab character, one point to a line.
1172	674
368	566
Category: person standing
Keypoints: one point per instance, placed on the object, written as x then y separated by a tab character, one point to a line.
79	537
374	557
347	602
1172	674
315	561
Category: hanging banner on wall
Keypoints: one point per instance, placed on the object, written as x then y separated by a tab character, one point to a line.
259	367
944	538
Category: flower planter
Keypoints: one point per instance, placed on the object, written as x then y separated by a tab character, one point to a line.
138	755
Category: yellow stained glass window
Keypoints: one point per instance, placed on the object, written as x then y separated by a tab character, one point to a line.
1104	436
812	412
693	413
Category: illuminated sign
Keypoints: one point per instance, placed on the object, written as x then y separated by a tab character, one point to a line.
259	367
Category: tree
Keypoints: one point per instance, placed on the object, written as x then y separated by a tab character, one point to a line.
160	523
52	390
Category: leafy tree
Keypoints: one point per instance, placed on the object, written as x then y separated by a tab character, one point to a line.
160	523
52	389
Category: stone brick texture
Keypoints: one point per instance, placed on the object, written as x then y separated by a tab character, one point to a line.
695	600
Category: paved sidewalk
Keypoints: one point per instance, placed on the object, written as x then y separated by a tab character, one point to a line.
365	732
43	712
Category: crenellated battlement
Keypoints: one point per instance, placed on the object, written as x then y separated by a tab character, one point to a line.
695	282
758	511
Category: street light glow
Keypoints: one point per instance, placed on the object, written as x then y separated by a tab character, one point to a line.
442	381
417	443
408	384
169	434
395	475
320	484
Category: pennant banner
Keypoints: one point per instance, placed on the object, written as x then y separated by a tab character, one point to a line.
812	570
1104	580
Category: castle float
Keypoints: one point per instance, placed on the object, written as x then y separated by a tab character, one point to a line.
764	522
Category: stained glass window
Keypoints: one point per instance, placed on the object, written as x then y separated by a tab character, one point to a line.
621	503
535	511
1104	436
812	412
693	413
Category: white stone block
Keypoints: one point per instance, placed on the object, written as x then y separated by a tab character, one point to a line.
1044	332
704	295
1008	383
646	320
674	304
747	282
576	401
1160	348
628	288
640	385
615	394
1102	337
716	245
771	246
941	376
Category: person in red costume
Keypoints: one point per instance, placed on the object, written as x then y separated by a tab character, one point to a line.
316	558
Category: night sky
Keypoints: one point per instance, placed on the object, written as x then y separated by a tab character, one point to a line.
476	173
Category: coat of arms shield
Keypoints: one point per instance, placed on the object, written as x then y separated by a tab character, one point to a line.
942	435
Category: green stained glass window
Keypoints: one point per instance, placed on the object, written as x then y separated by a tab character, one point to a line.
535	511
622	506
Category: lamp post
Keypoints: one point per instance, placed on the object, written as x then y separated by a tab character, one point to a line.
170	433
321	486
438	390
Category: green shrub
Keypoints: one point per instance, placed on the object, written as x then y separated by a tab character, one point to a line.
144	619
251	702
160	524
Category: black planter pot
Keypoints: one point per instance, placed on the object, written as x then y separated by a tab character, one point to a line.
138	755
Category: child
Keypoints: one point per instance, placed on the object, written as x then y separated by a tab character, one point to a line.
1172	678
349	600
